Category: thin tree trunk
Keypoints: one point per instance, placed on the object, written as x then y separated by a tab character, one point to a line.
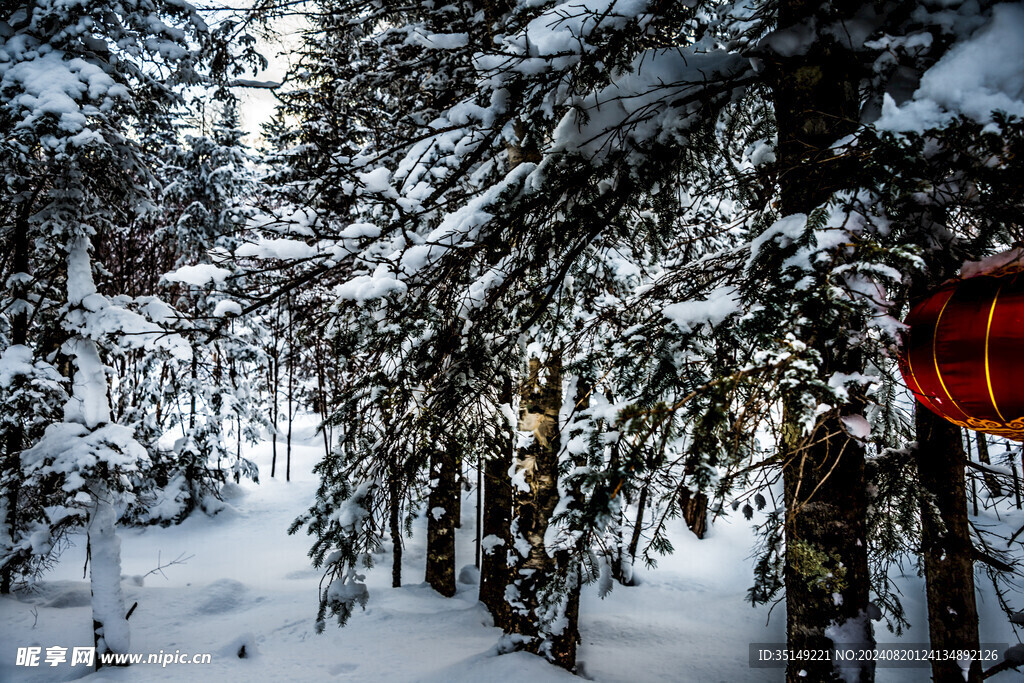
291	400
322	401
634	540
194	374
497	517
11	466
275	375
479	513
238	447
994	487
457	503
395	523
622	571
946	546
440	572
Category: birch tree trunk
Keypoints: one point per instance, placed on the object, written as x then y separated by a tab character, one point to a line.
534	498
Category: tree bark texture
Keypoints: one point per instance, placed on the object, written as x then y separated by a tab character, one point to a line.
440	573
816	102
534	498
497	519
395	528
946	546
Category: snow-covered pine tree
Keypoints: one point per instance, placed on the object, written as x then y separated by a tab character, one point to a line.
207	195
70	81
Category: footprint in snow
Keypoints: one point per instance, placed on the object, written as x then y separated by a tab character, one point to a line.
342	668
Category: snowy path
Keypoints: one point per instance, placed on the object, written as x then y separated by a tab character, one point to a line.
250	583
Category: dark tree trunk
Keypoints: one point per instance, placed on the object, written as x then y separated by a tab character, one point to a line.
395	524
291	404
816	102
621	572
440	572
825	547
994	487
494	570
946	546
272	375
695	511
497	519
457	503
194	375
638	526
11	466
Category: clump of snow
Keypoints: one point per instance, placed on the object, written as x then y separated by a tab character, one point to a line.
198	275
469	575
1012	259
490	542
376	181
282	249
657	99
975	78
786	230
857	426
227	307
720	304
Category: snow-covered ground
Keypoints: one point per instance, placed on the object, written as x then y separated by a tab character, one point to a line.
249	583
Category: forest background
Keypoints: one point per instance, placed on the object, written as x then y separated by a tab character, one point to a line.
624	261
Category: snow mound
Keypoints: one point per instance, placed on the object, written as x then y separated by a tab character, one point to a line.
242	646
70	596
469	575
224	595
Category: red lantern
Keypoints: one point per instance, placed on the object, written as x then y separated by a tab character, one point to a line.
964	355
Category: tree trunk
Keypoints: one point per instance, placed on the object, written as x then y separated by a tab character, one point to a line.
816	102
562	649
826	573
638	526
274	378
110	624
10	469
994	487
440	572
497	518
89	406
457	502
395	523
695	511
621	570
534	498
291	403
946	546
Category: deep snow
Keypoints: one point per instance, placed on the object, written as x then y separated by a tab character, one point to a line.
248	582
